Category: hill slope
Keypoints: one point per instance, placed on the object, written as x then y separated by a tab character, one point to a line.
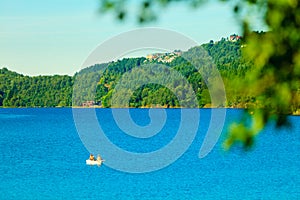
97	83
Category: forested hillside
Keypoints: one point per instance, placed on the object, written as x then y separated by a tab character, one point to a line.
226	55
17	90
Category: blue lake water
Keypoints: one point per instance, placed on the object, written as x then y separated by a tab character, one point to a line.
42	157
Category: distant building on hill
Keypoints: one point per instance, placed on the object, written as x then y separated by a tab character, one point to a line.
234	38
164	57
88	103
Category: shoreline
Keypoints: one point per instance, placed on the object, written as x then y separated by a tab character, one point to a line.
296	113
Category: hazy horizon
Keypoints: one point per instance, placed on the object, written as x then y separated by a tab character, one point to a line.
46	38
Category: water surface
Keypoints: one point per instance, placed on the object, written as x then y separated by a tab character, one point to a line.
42	157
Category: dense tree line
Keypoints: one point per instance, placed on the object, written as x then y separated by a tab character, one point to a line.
98	83
17	90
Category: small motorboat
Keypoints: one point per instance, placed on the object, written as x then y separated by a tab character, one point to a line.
94	162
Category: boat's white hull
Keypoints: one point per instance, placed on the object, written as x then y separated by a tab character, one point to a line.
94	162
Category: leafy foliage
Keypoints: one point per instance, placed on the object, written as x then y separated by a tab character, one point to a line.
275	79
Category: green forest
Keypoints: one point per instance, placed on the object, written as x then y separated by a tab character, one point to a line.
17	90
132	82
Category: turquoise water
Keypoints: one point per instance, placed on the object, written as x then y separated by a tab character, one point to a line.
42	157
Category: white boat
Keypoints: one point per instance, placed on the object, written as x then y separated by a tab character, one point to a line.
94	162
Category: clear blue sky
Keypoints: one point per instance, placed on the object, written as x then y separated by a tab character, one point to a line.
56	36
